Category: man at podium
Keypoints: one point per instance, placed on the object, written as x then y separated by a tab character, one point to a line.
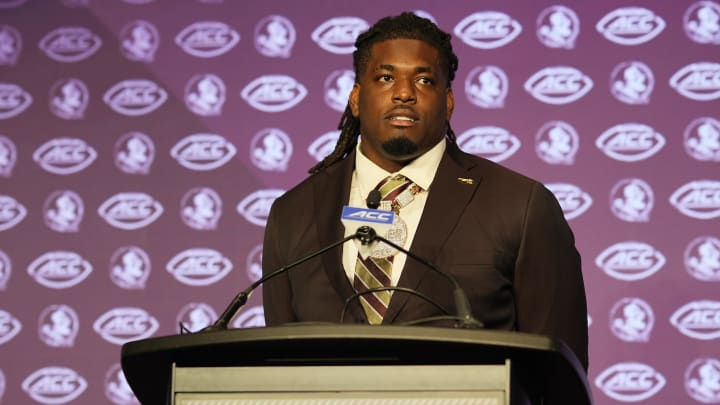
500	234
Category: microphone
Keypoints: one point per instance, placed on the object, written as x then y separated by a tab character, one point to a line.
373	199
365	234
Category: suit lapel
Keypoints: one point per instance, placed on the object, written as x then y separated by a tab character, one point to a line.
330	194
451	190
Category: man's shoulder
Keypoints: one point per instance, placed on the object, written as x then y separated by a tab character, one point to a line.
495	172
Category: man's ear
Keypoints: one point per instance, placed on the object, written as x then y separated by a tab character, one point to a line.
353	100
450	101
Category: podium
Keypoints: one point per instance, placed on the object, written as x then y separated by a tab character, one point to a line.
354	364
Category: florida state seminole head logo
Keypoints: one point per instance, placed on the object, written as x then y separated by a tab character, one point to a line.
702	380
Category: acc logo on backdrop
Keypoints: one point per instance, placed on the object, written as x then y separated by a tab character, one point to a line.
139	40
630	25
557	143
572	199
630	142
256	206
125	324
135	97
630	261
5	270
202	152
698	319
134	153
60	269
487	29
64	155
54	385
199	266
117	389
69	99
201	208
254	263
701	380
632	200
494	143
558	85
207	39
11	212
275	36
323	145
12	45
271	150
253	317
9	326
70	44
130	211
486	86
632	82
702	258
63	211
701	22
274	93
698	199
632	320
630	381
8	156
205	95
338	85
14	100
558	27
337	35
130	268
196	316
58	326
701	139
698	81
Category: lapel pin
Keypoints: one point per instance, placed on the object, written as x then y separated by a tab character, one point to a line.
466	181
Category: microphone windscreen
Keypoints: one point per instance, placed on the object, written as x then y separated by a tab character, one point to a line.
373	199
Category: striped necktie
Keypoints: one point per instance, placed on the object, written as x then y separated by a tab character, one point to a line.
373	272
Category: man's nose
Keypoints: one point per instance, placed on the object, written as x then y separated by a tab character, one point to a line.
404	92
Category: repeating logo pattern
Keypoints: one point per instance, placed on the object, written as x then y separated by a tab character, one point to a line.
275	36
54	385
139	40
130	268
122	144
58	326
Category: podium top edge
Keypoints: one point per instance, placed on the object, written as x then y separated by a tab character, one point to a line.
304	331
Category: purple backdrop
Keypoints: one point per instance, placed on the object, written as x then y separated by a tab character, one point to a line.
142	143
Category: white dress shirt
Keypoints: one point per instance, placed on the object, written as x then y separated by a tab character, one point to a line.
367	175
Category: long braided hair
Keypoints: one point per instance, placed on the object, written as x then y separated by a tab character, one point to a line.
404	26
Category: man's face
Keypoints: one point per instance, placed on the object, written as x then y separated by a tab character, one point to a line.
403	102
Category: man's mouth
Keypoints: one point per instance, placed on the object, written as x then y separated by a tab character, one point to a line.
402	120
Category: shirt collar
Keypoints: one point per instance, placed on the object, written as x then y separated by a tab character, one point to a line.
421	170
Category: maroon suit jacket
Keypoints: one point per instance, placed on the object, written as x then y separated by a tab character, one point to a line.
501	234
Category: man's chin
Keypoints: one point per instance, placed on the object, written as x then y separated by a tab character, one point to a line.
400	148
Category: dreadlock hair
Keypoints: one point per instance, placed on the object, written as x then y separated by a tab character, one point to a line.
404	26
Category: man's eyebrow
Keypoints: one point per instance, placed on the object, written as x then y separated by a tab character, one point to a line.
420	69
